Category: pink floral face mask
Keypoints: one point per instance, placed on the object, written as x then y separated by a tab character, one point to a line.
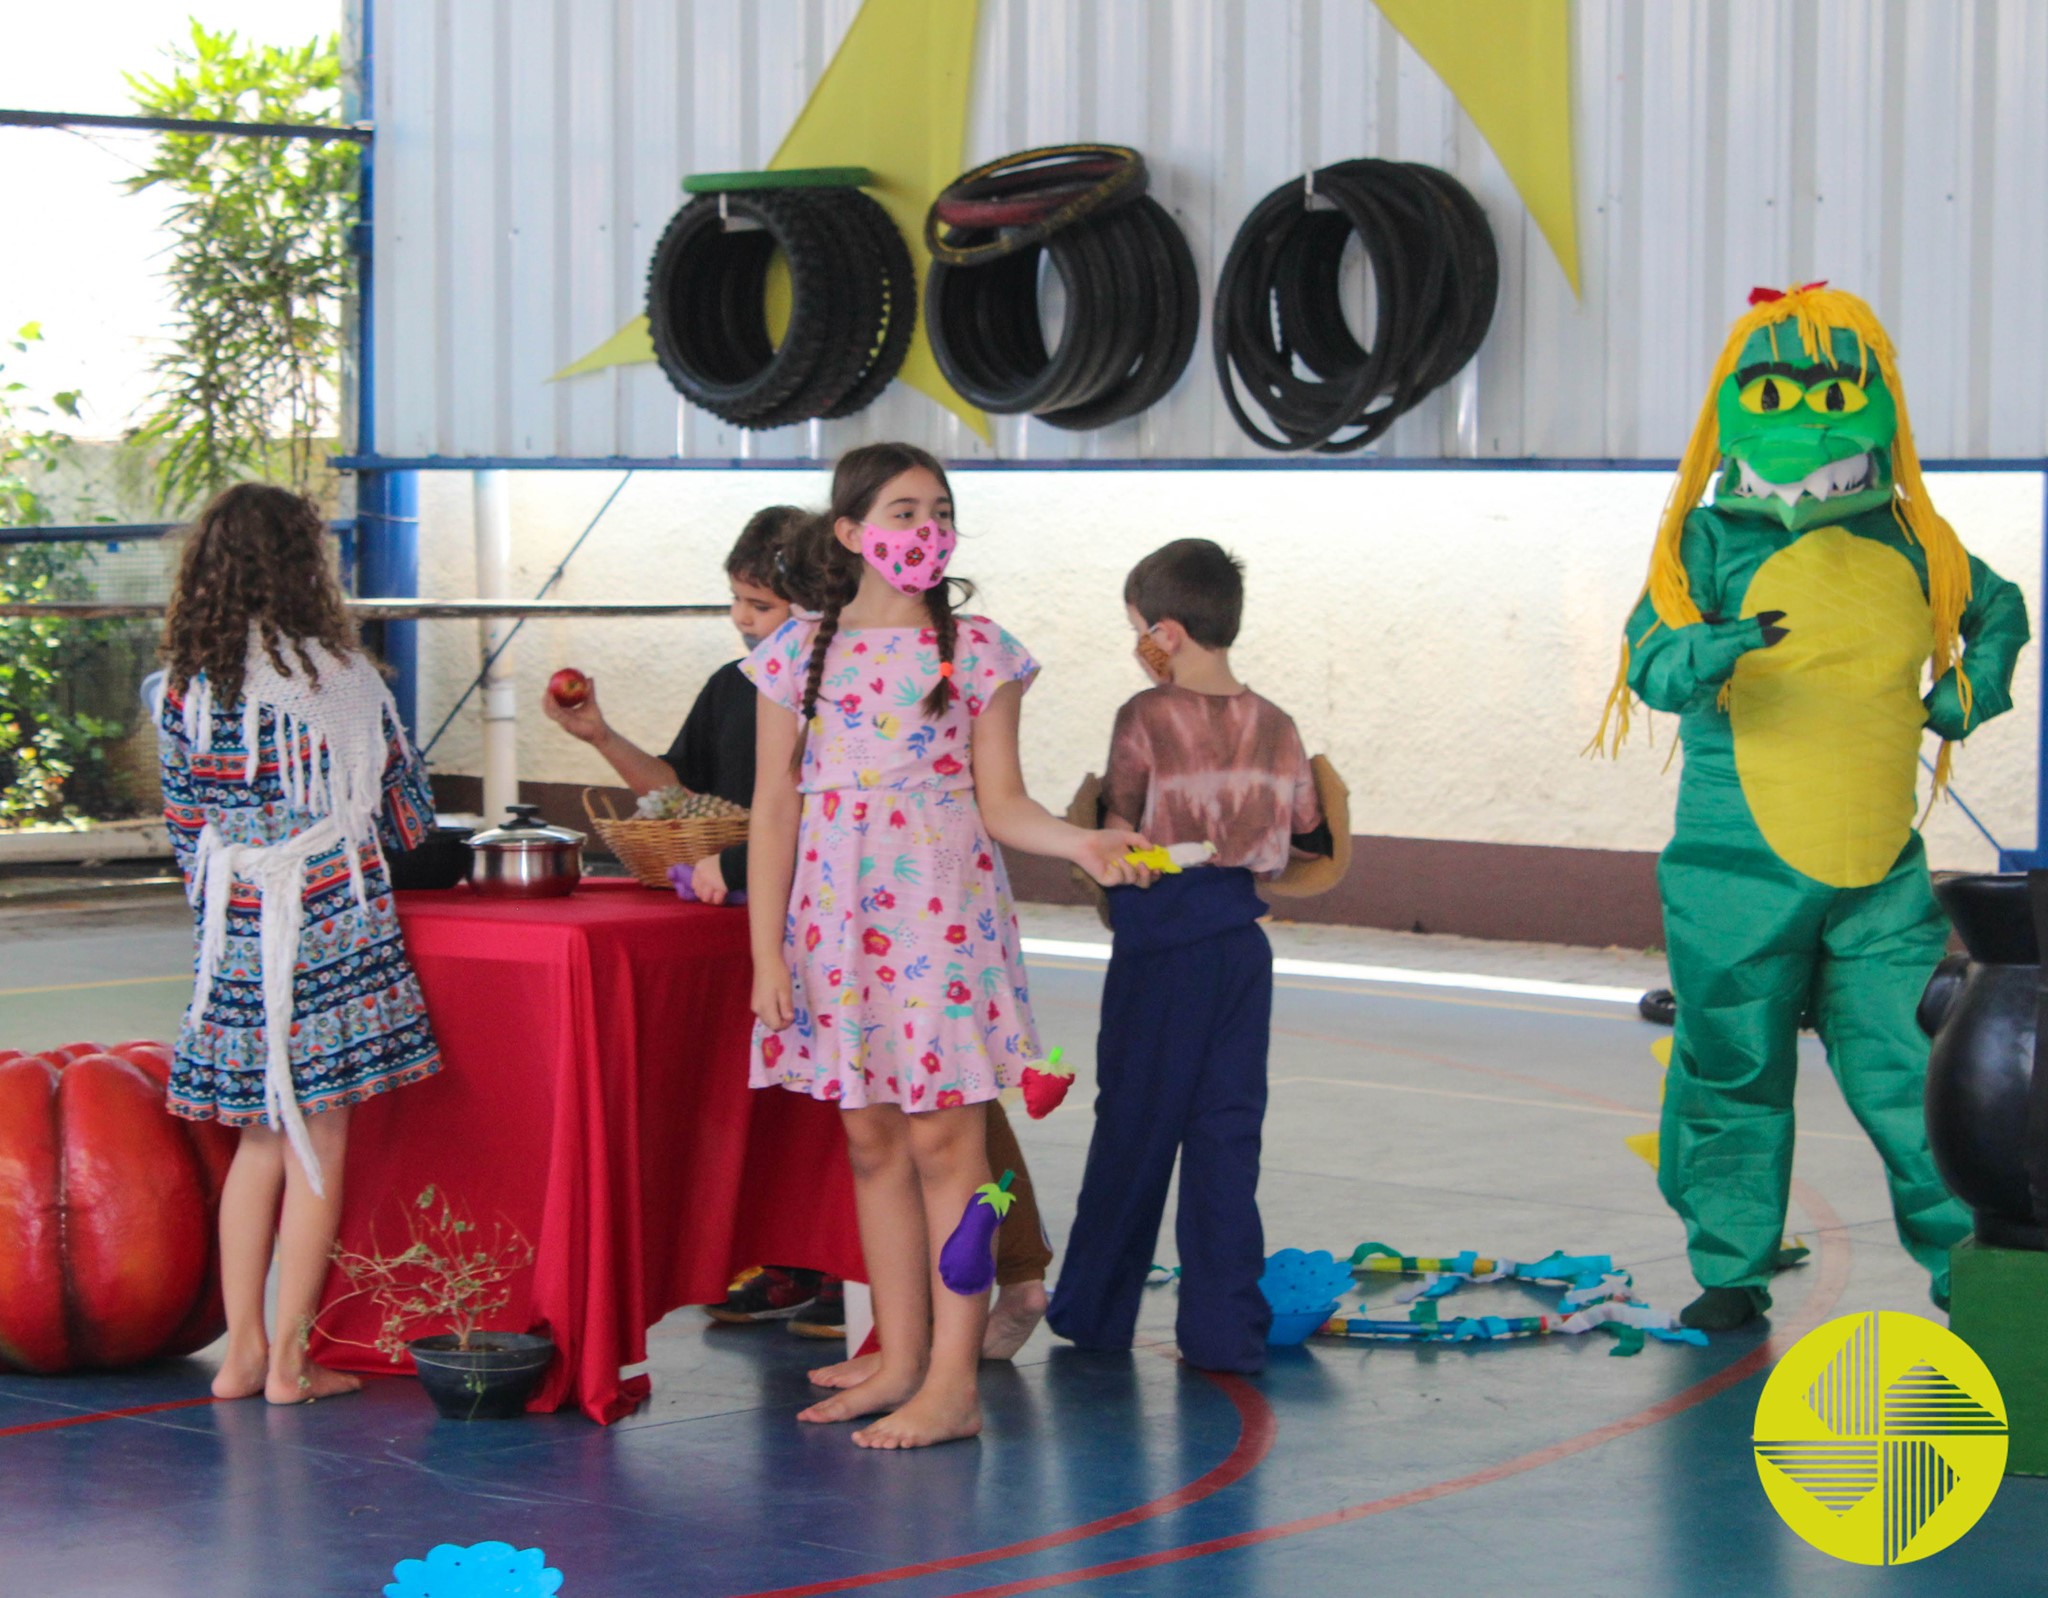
911	559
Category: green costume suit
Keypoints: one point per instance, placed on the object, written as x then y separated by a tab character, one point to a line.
1795	884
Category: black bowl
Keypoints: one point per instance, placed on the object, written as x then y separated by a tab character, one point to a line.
491	1381
442	861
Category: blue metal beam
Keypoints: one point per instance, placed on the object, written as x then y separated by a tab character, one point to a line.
369	461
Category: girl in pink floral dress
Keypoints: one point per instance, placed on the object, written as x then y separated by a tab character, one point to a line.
888	976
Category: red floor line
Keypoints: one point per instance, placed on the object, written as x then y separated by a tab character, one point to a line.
1257	1427
1834	1276
105	1414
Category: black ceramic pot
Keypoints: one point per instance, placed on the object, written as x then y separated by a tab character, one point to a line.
491	1380
2037	1115
441	860
1980	1072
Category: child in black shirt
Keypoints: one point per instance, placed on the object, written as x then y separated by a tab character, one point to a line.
714	752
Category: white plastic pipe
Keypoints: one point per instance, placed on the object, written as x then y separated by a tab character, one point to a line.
500	697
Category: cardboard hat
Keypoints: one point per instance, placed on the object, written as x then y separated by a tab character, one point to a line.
1304	879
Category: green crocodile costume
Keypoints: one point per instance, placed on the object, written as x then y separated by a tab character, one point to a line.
1789	624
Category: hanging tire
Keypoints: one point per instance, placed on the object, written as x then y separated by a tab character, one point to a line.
853	304
1282	342
1132	307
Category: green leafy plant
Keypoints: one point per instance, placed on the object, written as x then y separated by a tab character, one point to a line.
446	1274
44	745
260	266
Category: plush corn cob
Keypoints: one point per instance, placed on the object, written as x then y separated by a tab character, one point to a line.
967	1264
1045	1086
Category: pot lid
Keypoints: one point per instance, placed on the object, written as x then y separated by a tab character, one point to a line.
524	829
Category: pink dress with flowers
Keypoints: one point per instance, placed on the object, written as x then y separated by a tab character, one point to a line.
904	954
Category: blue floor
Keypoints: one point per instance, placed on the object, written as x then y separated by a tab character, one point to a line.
1432	1122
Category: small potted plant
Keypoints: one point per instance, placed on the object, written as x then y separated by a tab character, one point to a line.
447	1274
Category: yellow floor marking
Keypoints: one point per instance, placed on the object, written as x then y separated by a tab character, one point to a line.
80	987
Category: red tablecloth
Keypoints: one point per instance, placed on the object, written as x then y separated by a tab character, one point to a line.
594	1095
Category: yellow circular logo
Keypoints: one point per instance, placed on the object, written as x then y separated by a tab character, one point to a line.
1880	1438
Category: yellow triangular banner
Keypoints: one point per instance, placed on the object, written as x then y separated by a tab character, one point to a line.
630	345
1508	62
893	100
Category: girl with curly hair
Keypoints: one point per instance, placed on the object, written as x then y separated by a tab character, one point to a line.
286	774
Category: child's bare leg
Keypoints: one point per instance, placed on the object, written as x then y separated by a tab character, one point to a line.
951	1153
892	1238
1022	1253
248	1231
1019	1307
305	1239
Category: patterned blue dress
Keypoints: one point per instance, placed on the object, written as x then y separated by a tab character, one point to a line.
359	1026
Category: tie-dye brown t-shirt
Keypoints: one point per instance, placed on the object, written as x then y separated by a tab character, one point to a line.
1224	769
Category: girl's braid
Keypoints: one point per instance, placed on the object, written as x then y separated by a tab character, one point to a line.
828	628
938	601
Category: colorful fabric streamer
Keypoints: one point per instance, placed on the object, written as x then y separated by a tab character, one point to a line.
1596	1293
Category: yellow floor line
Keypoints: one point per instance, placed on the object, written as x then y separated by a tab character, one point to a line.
80	987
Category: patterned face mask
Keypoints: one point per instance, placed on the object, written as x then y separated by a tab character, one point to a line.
911	559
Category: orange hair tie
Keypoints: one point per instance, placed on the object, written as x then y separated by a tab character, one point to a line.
945	668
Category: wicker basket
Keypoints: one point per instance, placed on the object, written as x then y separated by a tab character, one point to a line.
648	848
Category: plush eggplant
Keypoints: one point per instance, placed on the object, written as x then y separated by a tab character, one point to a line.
1045	1086
967	1264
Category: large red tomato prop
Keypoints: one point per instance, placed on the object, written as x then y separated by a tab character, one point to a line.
108	1245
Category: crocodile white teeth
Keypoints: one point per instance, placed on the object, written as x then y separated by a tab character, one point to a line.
1823	482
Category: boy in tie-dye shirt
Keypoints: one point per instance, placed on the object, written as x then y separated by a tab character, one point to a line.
1187	1003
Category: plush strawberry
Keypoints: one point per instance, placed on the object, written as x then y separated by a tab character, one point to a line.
1045	1086
967	1264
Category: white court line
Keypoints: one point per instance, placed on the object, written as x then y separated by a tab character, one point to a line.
1387	975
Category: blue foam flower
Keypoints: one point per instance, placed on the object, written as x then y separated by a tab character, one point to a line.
482	1570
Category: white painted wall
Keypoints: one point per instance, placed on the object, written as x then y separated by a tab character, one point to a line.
1447	638
530	152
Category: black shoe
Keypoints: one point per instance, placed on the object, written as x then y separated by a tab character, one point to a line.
826	1317
772	1293
1721	1309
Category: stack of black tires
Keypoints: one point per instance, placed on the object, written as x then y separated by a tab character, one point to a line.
853	303
1132	298
1280	330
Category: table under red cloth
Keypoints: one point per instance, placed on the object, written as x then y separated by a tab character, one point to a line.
593	1094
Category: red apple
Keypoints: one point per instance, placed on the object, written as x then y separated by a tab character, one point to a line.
569	688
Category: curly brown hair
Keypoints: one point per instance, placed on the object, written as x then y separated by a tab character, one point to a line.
256	557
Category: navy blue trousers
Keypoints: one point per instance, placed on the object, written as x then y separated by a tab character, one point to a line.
1181	1062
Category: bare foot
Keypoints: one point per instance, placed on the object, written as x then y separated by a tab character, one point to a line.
1018	1310
243	1371
931	1417
881	1392
308	1383
847	1373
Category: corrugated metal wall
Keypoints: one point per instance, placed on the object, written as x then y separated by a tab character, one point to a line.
529	153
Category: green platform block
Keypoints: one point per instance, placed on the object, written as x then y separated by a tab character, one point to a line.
1998	1304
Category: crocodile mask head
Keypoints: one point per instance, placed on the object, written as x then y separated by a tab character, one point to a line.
1805	437
1804	422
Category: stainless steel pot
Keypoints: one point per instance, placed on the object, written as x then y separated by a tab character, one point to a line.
525	858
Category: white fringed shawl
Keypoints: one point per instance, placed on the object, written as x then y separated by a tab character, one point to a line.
332	743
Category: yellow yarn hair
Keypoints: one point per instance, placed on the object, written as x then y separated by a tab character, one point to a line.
1819	312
